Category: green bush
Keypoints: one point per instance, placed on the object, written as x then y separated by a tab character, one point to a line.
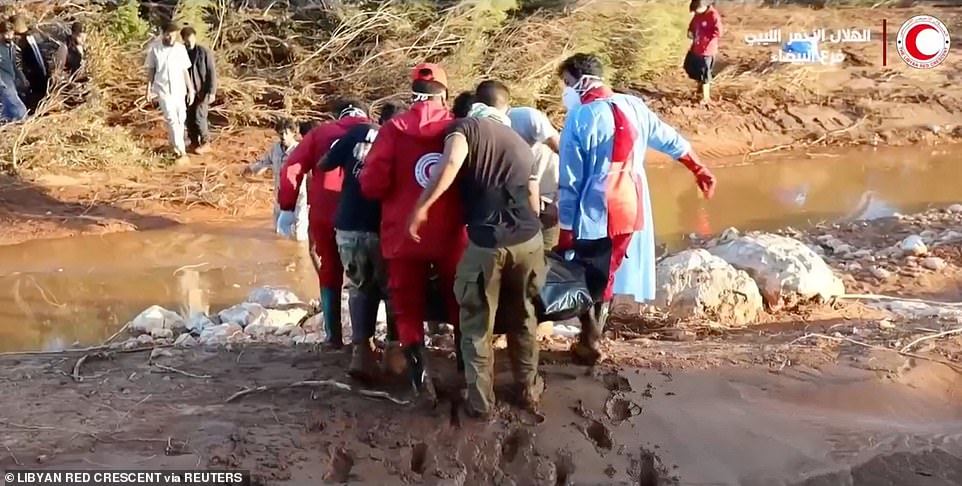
124	25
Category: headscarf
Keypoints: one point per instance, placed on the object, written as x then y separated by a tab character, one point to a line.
481	110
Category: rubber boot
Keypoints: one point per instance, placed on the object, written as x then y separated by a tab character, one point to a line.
331	313
393	363
419	374
706	94
587	350
363	311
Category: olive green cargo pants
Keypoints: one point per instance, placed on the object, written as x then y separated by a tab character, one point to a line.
502	282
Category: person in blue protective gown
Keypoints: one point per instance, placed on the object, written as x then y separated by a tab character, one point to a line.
604	206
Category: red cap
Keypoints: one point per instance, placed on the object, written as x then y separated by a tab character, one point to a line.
427	71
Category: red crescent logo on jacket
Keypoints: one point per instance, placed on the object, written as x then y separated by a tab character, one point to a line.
424	168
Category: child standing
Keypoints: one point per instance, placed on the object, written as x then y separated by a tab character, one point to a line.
274	159
704	30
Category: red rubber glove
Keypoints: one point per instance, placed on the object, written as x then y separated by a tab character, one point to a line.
566	241
703	177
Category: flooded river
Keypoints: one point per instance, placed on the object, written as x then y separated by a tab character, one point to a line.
54	293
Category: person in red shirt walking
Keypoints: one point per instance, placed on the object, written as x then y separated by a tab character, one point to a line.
398	167
322	196
704	30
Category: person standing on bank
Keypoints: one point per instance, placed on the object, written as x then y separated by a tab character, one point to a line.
503	267
169	82
704	30
357	224
70	65
203	75
603	202
11	78
32	63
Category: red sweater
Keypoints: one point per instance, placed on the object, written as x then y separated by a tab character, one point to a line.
325	188
705	28
395	172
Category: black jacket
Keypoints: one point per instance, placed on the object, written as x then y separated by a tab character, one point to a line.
203	72
354	211
34	68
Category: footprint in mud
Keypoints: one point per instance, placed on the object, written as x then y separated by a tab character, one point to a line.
564	467
620	409
419	458
599	434
339	465
617	383
519	441
648	470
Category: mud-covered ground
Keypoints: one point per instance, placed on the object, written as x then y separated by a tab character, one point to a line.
843	393
759	106
616	424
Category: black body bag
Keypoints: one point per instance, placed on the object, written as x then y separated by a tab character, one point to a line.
564	294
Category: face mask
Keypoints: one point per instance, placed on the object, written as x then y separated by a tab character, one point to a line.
570	98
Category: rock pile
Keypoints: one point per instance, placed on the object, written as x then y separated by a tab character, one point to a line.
269	315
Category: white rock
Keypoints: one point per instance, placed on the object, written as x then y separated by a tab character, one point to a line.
131	343
156	317
273	297
785	270
950	235
955	208
286	330
697	284
161	333
280	318
310	338
185	340
880	273
199	321
220	333
886	324
145	339
258	330
913	245
243	315
933	263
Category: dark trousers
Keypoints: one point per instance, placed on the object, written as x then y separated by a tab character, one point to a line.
198	130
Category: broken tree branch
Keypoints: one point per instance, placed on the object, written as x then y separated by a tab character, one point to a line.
315	383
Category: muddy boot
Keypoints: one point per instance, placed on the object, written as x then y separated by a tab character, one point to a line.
363	362
393	362
706	94
531	394
587	351
419	375
331	313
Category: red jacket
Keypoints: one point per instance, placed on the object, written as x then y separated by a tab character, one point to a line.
397	169
705	28
325	188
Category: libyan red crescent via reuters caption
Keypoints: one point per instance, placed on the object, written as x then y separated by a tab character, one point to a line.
923	42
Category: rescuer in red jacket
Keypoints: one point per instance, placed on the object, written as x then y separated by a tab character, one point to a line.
396	170
322	197
704	30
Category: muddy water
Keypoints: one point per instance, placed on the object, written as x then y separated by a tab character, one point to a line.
802	427
57	292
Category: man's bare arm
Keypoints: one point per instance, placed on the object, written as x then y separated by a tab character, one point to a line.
554	143
534	196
